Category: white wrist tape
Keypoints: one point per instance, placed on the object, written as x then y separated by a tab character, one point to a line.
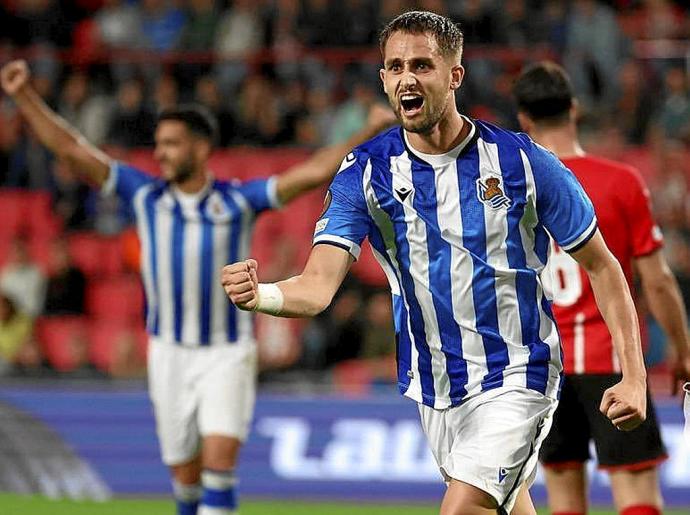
270	299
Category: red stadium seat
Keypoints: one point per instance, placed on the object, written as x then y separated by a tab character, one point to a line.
12	212
117	298
96	255
62	341
104	337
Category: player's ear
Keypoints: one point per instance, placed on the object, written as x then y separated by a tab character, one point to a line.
525	122
457	73
382	75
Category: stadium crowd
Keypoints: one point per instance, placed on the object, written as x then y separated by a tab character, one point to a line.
288	73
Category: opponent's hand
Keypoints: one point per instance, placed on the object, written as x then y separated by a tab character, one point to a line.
380	116
680	371
14	76
625	404
241	284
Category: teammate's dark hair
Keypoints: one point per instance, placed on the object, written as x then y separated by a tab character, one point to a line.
199	120
448	35
543	92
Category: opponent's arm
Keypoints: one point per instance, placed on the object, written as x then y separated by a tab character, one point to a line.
304	295
52	130
625	404
321	166
665	301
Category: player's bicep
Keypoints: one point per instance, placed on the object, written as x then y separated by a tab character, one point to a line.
327	266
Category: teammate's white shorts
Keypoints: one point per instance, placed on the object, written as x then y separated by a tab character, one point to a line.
200	391
491	441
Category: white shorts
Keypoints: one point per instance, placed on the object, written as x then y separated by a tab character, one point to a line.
492	440
200	391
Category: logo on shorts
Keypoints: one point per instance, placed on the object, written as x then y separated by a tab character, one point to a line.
502	473
491	194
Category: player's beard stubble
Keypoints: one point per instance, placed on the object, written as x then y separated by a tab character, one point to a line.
183	171
423	124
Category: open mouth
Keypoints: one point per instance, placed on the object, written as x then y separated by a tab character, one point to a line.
411	104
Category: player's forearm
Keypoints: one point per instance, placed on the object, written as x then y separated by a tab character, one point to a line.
666	304
61	138
616	306
303	297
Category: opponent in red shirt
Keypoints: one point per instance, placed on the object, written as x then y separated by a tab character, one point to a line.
547	111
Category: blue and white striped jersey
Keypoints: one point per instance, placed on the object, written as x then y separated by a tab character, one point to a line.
462	238
186	240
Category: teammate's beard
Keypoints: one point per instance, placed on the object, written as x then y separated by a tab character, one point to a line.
183	172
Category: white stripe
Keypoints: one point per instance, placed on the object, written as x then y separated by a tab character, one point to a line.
351	246
217	481
245	319
530	218
390	273
383	222
401	169
163	225
191	300
548	332
212	510
110	184
219	301
508	309
272	192
579	343
461	272
145	240
585	234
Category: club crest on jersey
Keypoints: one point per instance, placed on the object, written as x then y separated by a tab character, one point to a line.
490	192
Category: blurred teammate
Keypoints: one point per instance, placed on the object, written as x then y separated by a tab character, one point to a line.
457	212
548	112
202	357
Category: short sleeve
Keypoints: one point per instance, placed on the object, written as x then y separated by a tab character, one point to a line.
563	207
646	234
125	180
345	220
262	194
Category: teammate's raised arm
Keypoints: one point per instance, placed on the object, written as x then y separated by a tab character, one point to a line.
304	295
320	168
52	130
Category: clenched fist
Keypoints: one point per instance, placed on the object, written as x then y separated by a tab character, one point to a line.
625	404
14	76
241	284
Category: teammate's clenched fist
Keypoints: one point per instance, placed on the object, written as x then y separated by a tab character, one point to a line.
14	76
241	284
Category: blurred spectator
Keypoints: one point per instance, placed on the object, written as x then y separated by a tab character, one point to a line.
656	19
556	24
66	285
517	26
594	51
132	124
633	104
674	116
69	196
359	17
351	115
16	331
119	25
199	33
88	113
476	21
320	24
165	93
318	104
258	117
239	33
40	21
162	24
22	280
379	332
207	93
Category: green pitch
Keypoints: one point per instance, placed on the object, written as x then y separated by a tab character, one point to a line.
18	505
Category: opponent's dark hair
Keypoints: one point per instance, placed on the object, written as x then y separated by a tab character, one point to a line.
199	120
447	34
543	92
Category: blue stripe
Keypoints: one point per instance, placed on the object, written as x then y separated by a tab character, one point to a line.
206	271
178	268
514	183
152	305
425	202
219	498
383	189
233	254
483	276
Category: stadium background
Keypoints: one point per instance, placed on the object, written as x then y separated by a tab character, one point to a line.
283	77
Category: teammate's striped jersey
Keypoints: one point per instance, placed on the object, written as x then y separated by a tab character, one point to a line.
186	240
621	202
462	238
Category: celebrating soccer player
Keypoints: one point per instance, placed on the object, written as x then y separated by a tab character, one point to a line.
457	212
202	357
548	112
